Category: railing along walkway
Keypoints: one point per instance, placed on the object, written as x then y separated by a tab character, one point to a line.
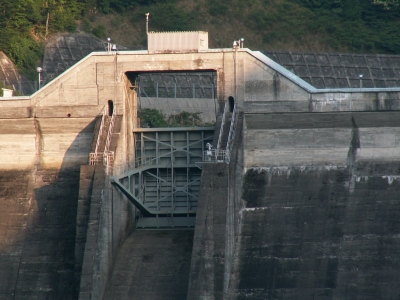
214	155
106	157
140	162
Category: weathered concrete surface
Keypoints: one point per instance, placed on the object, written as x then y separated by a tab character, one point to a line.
50	142
275	140
39	192
152	264
37	228
82	215
207	267
110	219
217	225
306	160
100	77
48	139
318	234
322	228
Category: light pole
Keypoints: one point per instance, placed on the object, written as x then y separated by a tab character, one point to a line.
360	76
236	45
241	42
108	44
39	70
147	23
147	29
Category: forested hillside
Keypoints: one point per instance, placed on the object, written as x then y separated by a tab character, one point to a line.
296	25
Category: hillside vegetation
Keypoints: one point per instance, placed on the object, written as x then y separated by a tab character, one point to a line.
367	26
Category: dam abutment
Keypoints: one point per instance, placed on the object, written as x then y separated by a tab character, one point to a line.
304	206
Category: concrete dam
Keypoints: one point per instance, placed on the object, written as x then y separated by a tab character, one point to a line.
299	198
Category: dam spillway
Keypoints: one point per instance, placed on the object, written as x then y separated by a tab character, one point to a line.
306	208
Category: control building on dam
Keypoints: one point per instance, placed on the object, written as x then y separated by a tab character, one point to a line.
297	197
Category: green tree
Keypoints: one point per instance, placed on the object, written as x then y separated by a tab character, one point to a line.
152	118
185	119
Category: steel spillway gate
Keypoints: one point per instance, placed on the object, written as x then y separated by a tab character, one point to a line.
164	180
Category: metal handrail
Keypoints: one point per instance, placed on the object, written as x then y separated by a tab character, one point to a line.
145	161
110	131
95	158
214	155
231	137
108	161
100	131
108	158
137	163
222	128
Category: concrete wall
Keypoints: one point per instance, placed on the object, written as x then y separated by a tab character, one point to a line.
313	162
111	219
39	192
49	136
255	82
152	264
111	216
318	210
217	227
55	142
311	210
207	264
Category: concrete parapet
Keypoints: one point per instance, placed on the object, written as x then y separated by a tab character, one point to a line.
320	139
54	142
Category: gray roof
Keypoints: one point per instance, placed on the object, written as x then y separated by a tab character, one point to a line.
340	70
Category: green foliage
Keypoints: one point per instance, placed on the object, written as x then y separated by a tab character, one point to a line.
342	25
217	8
104	6
185	119
117	21
356	25
24	25
281	23
86	25
154	118
100	31
387	4
167	16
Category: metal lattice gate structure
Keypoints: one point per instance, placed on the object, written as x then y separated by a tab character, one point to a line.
164	180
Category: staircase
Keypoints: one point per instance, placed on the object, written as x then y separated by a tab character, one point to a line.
100	150
225	127
226	134
97	150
